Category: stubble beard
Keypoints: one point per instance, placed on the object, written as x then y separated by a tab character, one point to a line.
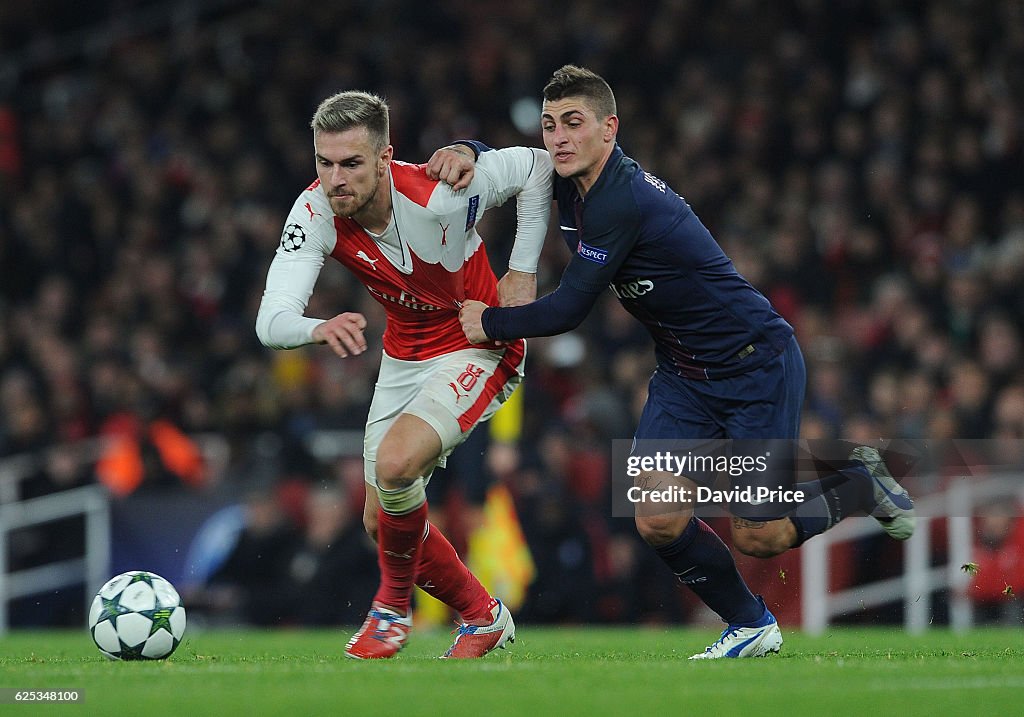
355	212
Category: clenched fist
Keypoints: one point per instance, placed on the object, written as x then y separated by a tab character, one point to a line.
470	317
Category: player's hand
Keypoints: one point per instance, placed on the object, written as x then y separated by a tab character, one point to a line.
517	288
343	333
470	316
453	165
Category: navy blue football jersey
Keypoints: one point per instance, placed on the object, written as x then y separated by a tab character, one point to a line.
632	233
636	235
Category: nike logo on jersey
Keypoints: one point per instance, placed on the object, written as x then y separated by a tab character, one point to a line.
565	228
362	255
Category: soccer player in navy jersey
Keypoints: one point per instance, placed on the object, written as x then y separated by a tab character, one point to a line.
728	366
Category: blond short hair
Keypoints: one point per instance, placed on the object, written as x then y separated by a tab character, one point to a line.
350	109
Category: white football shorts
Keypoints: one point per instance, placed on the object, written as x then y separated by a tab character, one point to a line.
452	392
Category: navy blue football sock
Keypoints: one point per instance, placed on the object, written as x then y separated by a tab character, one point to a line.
703	563
830	499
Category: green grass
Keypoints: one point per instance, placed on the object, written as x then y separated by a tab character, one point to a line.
564	672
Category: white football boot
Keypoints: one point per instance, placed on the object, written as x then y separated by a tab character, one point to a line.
747	641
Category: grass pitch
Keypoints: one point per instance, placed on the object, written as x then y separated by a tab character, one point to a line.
564	672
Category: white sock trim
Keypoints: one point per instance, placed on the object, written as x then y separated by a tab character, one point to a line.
403	500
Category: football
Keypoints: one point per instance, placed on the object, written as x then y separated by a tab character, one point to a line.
137	615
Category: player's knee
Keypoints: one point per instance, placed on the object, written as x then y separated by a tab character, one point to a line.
395	470
661	529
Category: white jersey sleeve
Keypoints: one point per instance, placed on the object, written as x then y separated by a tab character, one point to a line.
307	238
526	173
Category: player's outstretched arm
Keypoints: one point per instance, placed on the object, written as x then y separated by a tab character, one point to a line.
562	310
343	333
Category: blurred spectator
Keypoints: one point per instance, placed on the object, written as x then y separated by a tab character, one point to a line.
252	584
332	574
145	453
999	554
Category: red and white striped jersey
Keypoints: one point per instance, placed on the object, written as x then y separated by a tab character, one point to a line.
426	263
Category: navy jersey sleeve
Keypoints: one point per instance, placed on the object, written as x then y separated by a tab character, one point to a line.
607	229
560	311
475	145
607	234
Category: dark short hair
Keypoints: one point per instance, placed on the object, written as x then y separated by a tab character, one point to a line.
350	109
573	81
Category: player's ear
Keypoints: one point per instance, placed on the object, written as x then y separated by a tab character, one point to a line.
385	158
611	128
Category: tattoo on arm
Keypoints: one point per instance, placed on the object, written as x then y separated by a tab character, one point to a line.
461	149
647	483
744	523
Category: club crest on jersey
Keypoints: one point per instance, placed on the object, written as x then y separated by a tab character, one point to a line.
293	237
474	208
598	256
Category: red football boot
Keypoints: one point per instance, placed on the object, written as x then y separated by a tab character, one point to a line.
382	635
477	640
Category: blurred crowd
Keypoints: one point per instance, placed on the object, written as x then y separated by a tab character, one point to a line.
862	162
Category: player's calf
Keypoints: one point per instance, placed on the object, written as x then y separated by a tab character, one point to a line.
763	538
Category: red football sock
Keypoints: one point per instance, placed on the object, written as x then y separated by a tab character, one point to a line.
398	553
442	575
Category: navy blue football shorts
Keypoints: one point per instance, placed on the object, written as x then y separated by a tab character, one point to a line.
758	411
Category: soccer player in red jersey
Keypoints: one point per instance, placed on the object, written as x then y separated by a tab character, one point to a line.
413	244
